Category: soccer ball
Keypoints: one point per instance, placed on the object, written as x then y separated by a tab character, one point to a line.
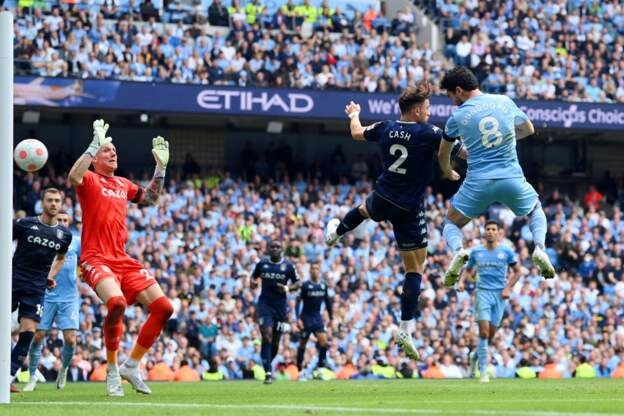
30	155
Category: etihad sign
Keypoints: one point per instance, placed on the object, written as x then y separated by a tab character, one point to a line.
255	101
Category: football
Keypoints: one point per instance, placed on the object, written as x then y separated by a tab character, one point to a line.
30	155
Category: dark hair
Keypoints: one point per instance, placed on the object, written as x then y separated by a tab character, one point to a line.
49	191
493	222
414	95
460	76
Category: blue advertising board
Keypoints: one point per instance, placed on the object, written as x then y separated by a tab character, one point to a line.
278	103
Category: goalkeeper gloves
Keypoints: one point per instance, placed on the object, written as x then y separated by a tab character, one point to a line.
99	137
160	150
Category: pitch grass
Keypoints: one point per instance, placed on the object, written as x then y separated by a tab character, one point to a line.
365	397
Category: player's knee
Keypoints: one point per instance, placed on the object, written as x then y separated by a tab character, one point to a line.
363	210
116	307
39	336
161	307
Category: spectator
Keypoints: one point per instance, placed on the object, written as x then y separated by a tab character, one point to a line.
218	14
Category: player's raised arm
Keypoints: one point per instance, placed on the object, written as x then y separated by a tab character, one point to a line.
160	150
82	164
355	125
524	130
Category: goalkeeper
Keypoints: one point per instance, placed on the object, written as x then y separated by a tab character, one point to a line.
119	280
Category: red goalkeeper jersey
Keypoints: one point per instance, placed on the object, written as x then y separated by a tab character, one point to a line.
104	203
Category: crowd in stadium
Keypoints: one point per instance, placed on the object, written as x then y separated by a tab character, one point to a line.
206	235
529	50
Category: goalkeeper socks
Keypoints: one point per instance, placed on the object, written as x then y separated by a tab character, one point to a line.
409	297
159	312
538	227
453	236
322	362
67	354
300	355
350	221
482	351
265	353
113	327
33	357
20	351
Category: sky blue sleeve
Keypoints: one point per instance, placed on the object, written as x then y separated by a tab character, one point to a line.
451	130
519	116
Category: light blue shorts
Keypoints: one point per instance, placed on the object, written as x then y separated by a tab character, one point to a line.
65	314
490	306
475	195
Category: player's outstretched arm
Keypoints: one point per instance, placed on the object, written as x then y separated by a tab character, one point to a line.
353	112
84	161
517	273
160	150
57	265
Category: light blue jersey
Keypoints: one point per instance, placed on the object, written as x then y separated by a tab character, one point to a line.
486	123
491	266
66	290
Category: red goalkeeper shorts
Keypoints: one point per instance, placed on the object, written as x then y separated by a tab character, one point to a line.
131	276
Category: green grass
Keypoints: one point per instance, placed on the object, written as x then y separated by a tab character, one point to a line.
388	397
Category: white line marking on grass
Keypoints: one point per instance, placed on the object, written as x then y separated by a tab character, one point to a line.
335	409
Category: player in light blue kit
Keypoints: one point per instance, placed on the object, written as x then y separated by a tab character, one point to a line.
61	304
490	262
489	125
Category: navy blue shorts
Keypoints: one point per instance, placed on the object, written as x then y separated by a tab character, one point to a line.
410	227
30	304
270	316
312	325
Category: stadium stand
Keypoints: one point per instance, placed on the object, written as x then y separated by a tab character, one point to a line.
202	241
568	50
522	49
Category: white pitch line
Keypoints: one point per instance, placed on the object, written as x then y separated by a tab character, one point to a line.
336	409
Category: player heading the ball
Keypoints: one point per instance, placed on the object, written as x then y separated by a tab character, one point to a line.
489	125
118	279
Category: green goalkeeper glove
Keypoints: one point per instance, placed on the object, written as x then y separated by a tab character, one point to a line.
160	150
99	137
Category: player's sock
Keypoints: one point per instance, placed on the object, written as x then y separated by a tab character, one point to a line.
350	221
453	236
322	361
275	344
20	351
159	312
407	326
113	327
300	355
34	352
538	227
409	297
67	354
482	354
265	353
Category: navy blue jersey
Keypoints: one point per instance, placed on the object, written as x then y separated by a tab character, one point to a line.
37	245
313	295
273	274
409	153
